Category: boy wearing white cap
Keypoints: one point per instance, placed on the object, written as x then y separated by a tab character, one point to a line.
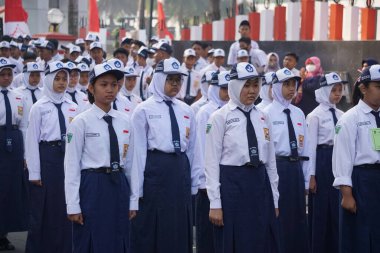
219	57
242	56
191	83
46	50
91	37
83	77
74	53
96	53
144	72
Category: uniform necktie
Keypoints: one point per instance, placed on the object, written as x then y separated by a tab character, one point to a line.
332	110
141	86
175	128
34	99
129	97
72	94
253	147
114	145
84	91
377	117
114	106
62	125
8	120
292	135
188	84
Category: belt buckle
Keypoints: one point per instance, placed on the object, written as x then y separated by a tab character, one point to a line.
59	143
114	167
293	159
108	170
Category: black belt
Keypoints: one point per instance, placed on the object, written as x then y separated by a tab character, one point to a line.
106	170
324	146
249	164
14	127
292	158
375	166
52	143
162	152
202	191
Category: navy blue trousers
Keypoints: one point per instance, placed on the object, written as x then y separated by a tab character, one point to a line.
105	207
13	184
164	221
248	211
50	230
360	232
324	233
293	224
204	228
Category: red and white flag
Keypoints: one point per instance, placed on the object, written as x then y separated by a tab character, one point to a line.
162	30
15	18
93	16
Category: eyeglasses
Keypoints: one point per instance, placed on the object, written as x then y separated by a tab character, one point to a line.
174	80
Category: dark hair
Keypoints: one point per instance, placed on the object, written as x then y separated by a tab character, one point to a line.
199	43
6	38
30	56
55	43
370	62
205	46
120	50
90	96
245	23
294	55
357	94
245	40
138	43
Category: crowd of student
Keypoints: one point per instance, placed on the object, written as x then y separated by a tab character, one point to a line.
128	153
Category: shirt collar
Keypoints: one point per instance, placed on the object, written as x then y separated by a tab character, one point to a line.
325	108
278	105
100	113
364	107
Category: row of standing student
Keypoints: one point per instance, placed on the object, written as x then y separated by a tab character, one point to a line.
163	206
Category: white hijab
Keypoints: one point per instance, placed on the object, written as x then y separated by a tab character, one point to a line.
213	95
322	95
25	78
234	89
157	86
277	94
55	97
204	90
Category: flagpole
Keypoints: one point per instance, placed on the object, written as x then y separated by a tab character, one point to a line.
150	20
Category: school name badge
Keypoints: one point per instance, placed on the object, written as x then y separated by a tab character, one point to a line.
375	136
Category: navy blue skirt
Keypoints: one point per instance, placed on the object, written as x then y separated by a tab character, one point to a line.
360	232
13	184
204	228
104	202
50	230
324	234
248	211
164	221
292	205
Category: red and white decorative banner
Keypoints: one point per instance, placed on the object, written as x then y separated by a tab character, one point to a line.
350	23
321	19
15	18
93	16
218	30
162	30
293	24
266	25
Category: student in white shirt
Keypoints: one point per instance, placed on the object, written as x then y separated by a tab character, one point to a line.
145	72
241	174
266	90
201	62
83	77
13	182
205	83
72	91
191	83
164	156
289	134
130	82
325	198
101	187
218	97
219	57
50	230
30	90
356	167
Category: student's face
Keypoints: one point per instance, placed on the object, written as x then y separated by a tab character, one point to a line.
244	46
243	59
104	89
272	61
141	60
5	52
15	52
83	79
126	47
371	94
87	45
134	49
250	91
289	62
130	82
289	89
198	50
122	57
46	54
219	61
6	77
336	93
74	77
60	82
97	55
74	55
34	78
223	94
244	31
172	85
190	60
158	56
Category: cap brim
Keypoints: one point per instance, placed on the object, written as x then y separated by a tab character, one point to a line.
9	66
117	73
175	73
224	85
57	70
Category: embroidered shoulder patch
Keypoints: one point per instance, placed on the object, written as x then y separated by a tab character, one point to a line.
208	128
337	129
69	137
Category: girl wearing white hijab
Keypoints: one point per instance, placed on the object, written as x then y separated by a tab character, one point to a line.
164	156
50	230
205	84
218	97
31	92
73	88
127	89
290	141
266	90
325	198
273	63
240	167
